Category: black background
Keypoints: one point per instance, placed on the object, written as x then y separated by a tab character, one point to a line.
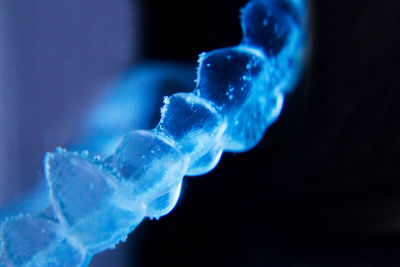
322	188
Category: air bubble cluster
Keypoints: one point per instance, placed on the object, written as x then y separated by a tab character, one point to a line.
96	203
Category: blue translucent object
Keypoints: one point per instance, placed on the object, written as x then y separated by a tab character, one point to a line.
165	203
271	24
95	204
39	240
85	198
226	76
151	169
205	163
240	82
148	165
193	123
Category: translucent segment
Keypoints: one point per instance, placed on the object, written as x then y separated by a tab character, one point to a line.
205	163
192	122
242	82
148	164
278	28
225	76
36	241
240	93
251	122
164	204
268	24
85	198
2	262
295	10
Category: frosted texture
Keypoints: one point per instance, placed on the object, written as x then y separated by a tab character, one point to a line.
149	165
38	241
95	204
226	76
83	196
165	203
278	28
205	163
238	81
192	122
269	24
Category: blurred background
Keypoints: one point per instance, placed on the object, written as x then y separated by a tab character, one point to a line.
321	189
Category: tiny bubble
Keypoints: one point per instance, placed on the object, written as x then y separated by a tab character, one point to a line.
201	56
166	100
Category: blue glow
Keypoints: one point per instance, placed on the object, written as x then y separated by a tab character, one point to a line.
130	102
194	124
95	204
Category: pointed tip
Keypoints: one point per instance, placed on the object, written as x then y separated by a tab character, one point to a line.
48	157
60	150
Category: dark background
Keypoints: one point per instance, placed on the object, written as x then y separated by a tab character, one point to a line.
322	188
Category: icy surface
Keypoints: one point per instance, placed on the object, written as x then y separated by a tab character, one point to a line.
270	24
193	123
226	76
148	164
165	203
83	196
205	163
95	204
241	82
38	241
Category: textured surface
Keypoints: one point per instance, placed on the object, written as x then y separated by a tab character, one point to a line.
97	203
